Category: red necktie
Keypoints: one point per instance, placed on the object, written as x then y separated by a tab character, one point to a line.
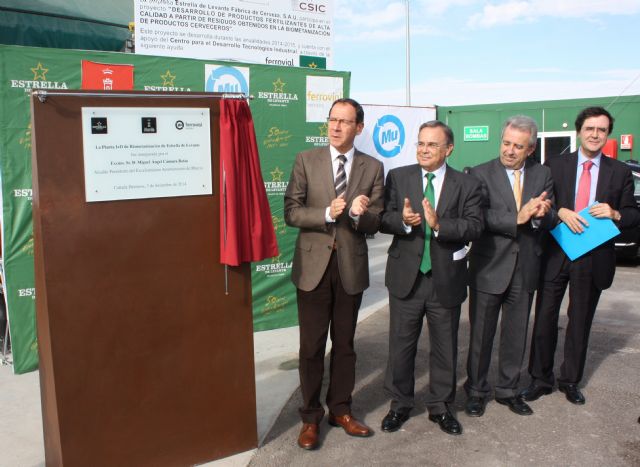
584	186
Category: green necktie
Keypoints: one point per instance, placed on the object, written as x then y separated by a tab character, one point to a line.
425	265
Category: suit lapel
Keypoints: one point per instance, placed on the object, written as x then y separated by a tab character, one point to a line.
570	169
504	184
325	172
450	185
604	176
415	191
530	181
355	175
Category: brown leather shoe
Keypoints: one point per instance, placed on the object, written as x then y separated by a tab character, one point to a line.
350	425
308	438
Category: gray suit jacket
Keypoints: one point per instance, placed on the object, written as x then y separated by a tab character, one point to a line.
460	219
309	193
493	256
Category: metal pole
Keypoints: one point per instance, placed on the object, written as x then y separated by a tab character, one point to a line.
408	57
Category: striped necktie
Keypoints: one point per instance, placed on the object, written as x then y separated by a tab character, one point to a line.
341	176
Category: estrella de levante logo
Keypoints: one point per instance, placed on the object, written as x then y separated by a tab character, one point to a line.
389	136
226	79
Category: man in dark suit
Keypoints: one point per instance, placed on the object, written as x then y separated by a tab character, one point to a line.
334	197
433	211
504	264
580	179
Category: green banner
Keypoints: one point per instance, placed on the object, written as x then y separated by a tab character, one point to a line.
282	100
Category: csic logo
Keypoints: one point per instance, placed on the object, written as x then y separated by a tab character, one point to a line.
179	124
388	136
309	7
226	79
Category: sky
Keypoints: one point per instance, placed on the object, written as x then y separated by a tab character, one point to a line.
473	52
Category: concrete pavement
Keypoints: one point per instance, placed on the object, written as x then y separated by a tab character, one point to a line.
602	432
605	431
276	366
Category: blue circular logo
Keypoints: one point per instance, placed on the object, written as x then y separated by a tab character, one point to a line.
227	79
388	136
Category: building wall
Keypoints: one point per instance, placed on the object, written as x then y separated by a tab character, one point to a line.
550	115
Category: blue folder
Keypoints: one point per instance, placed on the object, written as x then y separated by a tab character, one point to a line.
576	245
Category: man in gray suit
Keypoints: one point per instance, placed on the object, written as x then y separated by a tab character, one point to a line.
504	264
433	211
334	197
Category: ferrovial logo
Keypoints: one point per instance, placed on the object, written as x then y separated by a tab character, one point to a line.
323	137
39	80
278	97
320	93
277	186
389	136
276	267
168	84
220	78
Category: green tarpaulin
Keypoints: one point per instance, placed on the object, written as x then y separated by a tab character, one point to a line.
283	99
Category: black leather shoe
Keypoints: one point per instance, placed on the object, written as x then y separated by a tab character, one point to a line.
572	393
394	420
515	404
475	406
447	422
535	392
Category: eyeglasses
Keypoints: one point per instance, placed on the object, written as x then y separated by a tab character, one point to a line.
508	144
340	121
433	146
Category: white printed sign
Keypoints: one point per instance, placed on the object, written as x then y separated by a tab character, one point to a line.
270	32
146	152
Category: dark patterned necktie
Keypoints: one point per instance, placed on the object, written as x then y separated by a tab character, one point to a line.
341	176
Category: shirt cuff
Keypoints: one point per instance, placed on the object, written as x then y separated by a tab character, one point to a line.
327	217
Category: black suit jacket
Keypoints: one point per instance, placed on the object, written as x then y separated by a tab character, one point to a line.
493	256
460	219
615	187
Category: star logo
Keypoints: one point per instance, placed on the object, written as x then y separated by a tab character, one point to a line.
324	129
278	85
276	259
276	175
167	78
313	65
39	72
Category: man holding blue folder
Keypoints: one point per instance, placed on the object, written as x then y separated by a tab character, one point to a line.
580	179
